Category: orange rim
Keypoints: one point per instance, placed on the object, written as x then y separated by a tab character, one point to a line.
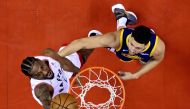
106	69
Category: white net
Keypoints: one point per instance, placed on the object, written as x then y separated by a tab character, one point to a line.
101	78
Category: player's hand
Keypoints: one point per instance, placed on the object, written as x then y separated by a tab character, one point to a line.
126	75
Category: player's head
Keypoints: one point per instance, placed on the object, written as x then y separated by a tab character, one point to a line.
139	39
37	69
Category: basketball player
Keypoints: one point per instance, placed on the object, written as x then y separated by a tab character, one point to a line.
140	43
49	74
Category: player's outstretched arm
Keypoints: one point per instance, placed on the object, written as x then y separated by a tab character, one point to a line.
106	40
65	63
44	92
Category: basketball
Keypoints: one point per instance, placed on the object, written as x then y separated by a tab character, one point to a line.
64	101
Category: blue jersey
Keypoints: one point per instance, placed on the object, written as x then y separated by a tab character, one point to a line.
123	53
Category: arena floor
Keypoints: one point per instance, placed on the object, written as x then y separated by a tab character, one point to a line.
28	26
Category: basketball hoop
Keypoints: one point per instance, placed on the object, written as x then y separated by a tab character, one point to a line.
102	78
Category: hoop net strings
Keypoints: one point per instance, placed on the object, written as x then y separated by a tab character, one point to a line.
110	83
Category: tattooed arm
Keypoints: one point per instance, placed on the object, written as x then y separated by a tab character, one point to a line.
44	92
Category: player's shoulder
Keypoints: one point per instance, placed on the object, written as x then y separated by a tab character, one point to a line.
160	48
35	82
122	32
42	85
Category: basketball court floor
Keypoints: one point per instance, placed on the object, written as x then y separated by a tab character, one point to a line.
28	26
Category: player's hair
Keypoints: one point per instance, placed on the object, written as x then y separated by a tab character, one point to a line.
142	34
27	65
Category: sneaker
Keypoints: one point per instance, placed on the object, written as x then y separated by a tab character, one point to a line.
94	33
119	11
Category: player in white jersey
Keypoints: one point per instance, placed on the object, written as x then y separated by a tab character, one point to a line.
49	74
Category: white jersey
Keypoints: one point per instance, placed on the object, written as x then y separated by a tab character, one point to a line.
60	82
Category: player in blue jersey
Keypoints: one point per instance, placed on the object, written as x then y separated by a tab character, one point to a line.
140	43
